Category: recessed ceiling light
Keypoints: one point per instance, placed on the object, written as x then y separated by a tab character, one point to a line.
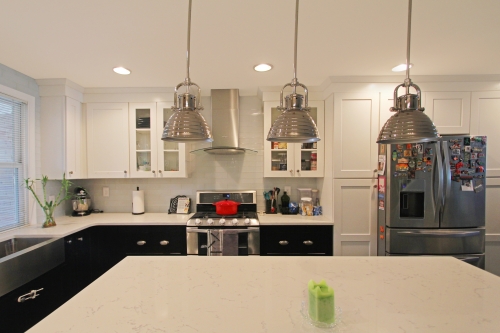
263	67
121	70
401	68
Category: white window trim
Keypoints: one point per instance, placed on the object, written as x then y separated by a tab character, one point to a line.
30	140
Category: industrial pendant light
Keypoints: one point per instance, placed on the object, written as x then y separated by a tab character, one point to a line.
409	124
186	123
294	124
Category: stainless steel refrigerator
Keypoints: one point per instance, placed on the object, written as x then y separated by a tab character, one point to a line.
431	198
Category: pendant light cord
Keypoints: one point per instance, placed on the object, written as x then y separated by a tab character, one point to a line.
295	45
408	39
188	47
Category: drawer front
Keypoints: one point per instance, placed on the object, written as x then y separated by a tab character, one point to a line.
435	241
297	240
154	240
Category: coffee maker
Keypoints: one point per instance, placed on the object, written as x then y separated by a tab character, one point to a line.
81	202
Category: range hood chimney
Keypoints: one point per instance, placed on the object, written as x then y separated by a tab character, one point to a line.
225	123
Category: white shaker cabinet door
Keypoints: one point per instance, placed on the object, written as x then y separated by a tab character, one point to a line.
449	111
355	217
485	120
492	251
355	132
108	140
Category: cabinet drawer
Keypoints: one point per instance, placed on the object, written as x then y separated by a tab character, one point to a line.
296	240
153	240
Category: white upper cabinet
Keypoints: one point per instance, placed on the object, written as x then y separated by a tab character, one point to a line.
283	159
355	132
485	119
61	135
450	111
108	140
150	157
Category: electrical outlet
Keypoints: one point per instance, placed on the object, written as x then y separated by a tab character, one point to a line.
105	191
288	189
52	198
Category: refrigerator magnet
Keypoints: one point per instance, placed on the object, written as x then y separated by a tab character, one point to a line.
466	141
408	146
407	153
381	204
381	185
467	186
420	148
467	149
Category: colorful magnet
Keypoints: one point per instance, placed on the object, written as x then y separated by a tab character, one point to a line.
407	153
408	146
394	155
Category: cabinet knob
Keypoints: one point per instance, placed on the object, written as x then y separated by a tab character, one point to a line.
154	171
164	242
375	186
298	171
159	171
140	243
375	170
283	242
71	172
80	239
69	241
291	172
308	242
125	171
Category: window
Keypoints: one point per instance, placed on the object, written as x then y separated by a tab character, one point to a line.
13	163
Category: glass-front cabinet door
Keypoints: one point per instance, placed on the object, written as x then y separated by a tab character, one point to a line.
171	155
151	157
282	159
142	118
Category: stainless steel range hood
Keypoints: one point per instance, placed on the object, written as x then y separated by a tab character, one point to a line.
225	124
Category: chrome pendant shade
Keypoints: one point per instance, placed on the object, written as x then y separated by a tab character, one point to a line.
186	123
294	124
410	124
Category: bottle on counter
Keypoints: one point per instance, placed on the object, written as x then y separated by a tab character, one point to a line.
285	202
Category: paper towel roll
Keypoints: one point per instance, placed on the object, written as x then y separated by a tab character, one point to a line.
137	202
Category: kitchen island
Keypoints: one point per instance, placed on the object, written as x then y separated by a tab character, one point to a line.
264	294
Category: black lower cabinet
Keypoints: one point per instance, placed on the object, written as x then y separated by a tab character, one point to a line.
296	240
20	316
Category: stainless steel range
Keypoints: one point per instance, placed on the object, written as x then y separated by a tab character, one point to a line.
211	234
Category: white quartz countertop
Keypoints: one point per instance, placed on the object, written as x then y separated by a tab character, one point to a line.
264	294
66	225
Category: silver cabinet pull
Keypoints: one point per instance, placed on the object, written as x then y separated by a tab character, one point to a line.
80	239
164	242
283	242
31	295
308	242
140	243
69	241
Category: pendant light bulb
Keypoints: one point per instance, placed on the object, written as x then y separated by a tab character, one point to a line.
409	124
294	124
186	123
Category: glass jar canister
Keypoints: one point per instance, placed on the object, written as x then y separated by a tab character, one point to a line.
307	206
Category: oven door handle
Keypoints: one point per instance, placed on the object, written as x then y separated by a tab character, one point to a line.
198	231
205	231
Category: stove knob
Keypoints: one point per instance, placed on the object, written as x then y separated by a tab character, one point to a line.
197	221
247	221
235	221
222	221
210	221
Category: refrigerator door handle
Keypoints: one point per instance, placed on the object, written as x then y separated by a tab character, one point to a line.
439	199
447	171
439	233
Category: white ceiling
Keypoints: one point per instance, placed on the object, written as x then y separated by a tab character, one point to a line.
82	40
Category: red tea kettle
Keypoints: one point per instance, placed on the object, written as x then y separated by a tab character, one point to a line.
226	207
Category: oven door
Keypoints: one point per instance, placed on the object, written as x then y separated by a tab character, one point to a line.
229	241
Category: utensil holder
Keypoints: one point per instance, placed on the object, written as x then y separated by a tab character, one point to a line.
269	205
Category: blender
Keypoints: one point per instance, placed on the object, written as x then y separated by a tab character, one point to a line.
81	202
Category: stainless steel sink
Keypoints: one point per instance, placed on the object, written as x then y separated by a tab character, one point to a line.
24	259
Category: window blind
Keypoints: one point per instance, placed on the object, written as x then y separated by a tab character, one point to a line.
13	201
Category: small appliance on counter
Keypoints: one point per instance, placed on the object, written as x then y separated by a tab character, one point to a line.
81	202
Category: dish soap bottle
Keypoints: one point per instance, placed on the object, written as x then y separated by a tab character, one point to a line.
285	201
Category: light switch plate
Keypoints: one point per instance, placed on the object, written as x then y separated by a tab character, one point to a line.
105	191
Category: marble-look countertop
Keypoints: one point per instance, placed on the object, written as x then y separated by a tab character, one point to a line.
66	225
264	294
